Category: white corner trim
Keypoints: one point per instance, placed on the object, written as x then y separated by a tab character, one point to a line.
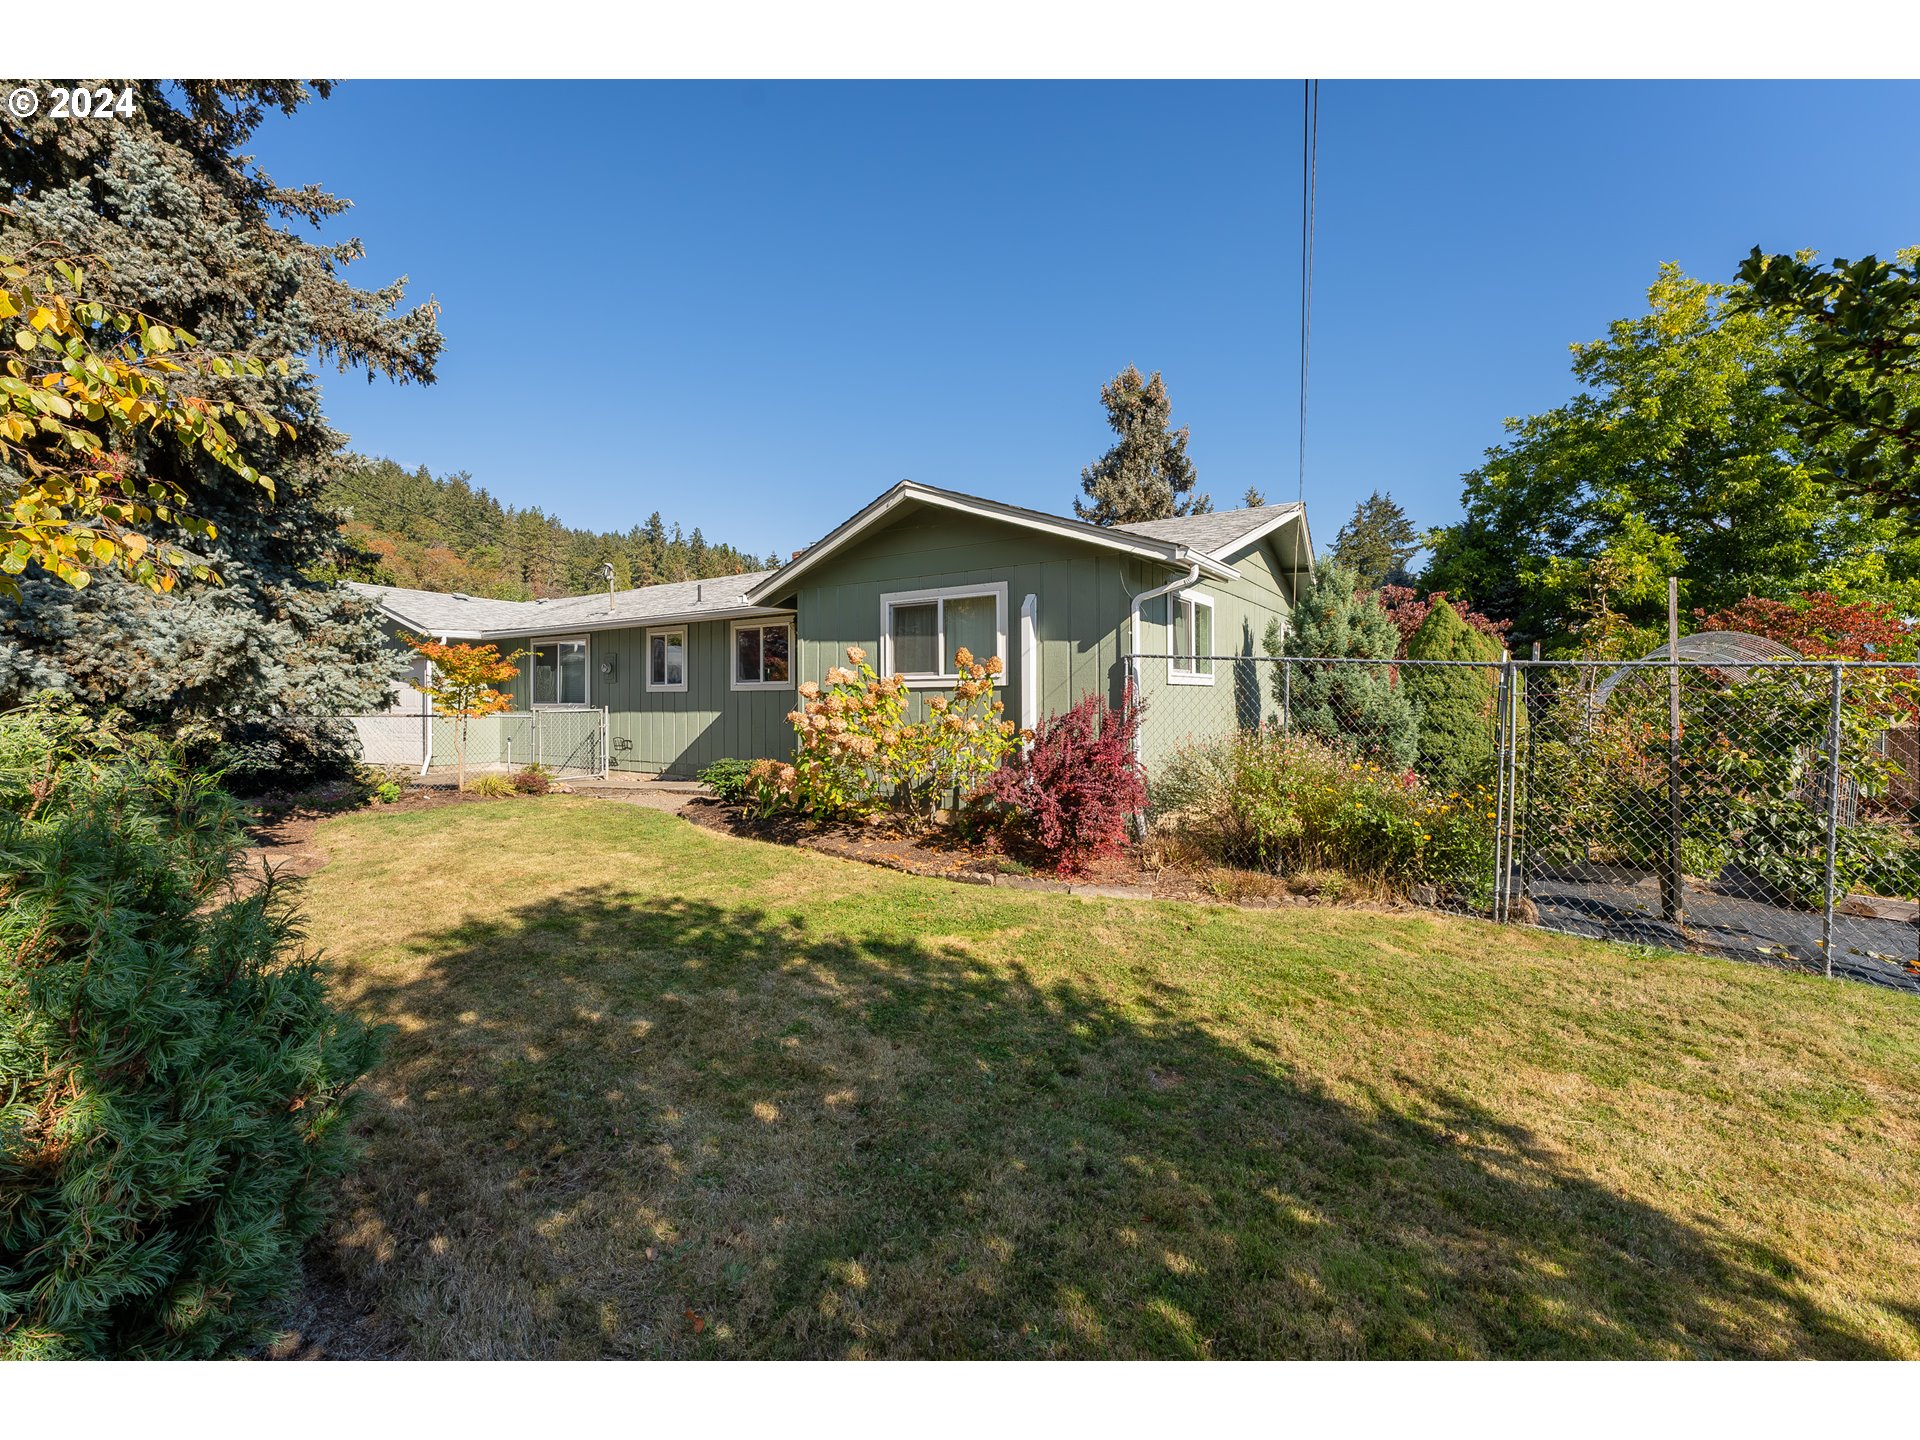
646	659
1030	663
734	682
935	681
1175	675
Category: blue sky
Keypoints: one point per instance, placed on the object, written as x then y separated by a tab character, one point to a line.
790	296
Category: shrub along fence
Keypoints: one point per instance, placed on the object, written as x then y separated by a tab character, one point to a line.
1766	810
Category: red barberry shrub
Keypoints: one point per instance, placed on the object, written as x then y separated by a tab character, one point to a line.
1071	794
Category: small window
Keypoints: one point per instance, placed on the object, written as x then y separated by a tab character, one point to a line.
921	631
1192	662
666	659
560	672
762	656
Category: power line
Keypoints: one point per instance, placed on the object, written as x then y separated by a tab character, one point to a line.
1309	187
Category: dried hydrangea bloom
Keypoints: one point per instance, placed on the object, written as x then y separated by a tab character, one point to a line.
993	666
809	688
963	658
855	655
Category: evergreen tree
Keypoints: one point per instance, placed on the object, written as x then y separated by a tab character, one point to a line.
1455	704
1253	499
1377	542
1146	475
1358	706
176	1114
191	231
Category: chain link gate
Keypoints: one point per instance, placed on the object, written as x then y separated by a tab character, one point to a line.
1766	810
570	743
1763	810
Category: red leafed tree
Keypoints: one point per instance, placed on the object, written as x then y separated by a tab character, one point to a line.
1819	625
1070	797
461	684
1409	610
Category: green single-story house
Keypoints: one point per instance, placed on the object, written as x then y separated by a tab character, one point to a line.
687	673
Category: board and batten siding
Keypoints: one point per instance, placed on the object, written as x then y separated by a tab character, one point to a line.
1241	695
1083	599
675	732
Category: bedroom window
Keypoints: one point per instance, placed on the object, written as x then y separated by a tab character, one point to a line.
1192	662
922	630
763	656
560	671
666	659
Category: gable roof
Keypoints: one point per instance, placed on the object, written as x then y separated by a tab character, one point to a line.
469	617
1219	531
1170	552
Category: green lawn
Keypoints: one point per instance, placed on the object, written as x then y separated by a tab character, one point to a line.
658	1092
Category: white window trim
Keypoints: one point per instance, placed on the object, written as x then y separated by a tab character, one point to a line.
686	659
1175	675
933	681
533	660
733	656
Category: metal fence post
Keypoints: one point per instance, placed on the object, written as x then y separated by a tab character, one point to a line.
1833	820
1523	710
1673	895
1502	741
1286	694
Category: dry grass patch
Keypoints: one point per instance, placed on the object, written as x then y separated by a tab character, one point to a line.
657	1092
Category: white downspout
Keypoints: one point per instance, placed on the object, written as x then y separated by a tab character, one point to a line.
1192	577
1029	664
426	748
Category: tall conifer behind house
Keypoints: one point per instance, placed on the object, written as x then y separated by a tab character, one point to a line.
1146	475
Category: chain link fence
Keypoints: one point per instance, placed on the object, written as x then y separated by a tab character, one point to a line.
1765	810
571	743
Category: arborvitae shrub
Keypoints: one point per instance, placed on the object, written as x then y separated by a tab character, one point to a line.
1455	702
1071	796
172	1079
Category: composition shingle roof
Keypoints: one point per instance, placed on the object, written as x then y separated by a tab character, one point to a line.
1214	532
444	614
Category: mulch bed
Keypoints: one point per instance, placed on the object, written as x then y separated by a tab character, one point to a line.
942	855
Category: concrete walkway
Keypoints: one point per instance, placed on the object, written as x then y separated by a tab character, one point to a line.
671	796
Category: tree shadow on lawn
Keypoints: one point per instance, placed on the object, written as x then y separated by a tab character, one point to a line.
618	1126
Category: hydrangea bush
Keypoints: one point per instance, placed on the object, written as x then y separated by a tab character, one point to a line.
859	752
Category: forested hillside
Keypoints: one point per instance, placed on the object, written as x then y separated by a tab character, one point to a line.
445	533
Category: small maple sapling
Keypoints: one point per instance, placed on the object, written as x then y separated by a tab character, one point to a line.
461	685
